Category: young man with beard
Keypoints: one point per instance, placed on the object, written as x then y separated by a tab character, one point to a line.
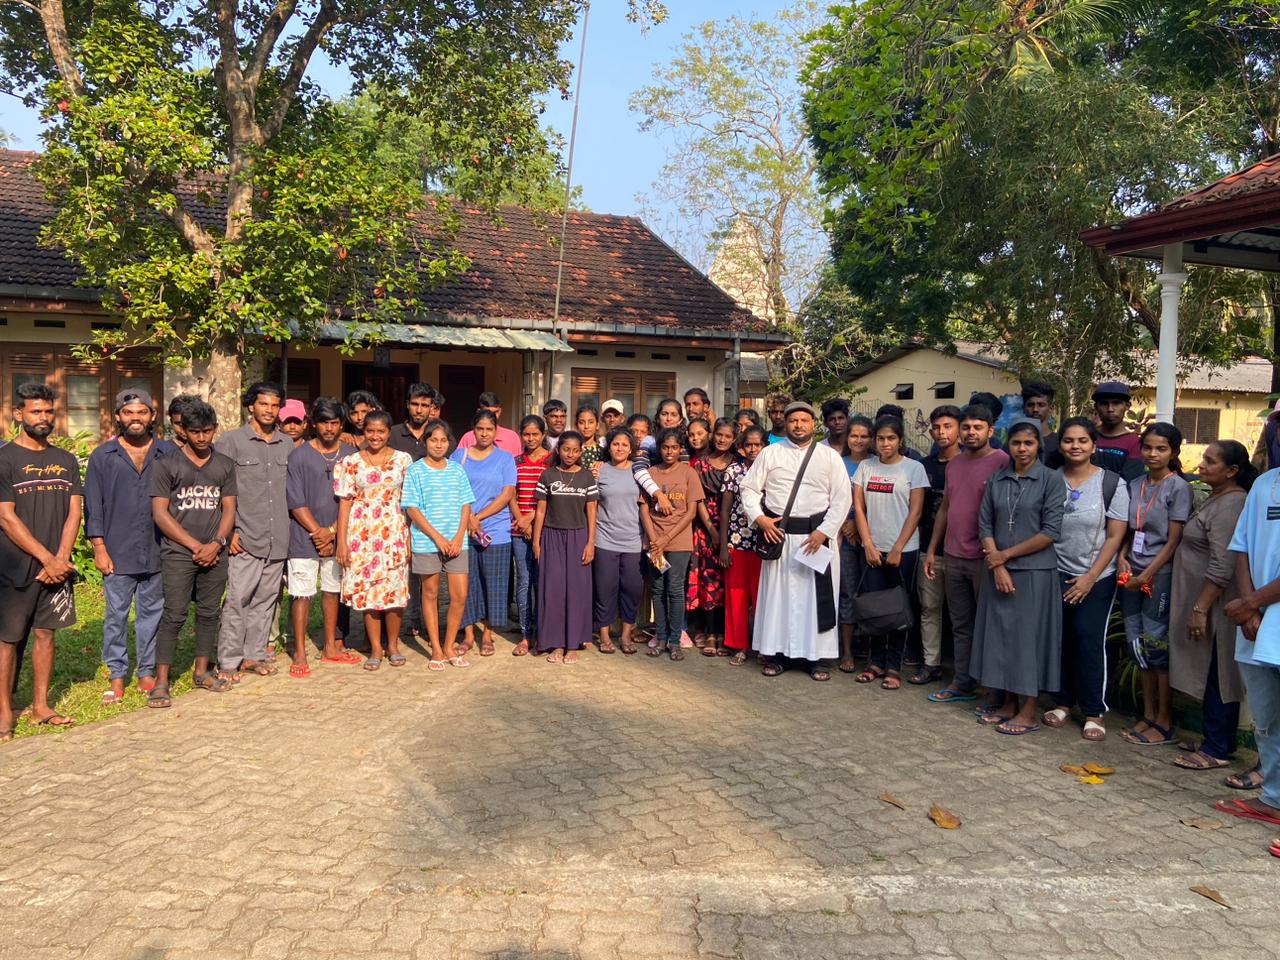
314	510
409	435
697	405
944	429
955	530
40	508
193	504
260	544
126	543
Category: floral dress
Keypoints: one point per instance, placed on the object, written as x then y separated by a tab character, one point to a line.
377	578
742	533
706	576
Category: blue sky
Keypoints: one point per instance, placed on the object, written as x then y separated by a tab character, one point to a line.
614	160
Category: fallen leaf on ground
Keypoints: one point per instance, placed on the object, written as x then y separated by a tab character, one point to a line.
1091	779
1072	769
1099	769
893	801
1205	823
1211	894
944	818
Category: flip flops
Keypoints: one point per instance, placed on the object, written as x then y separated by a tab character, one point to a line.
1140	738
396	660
347	656
1017	729
112	699
435	665
949	695
1239	808
373	664
299	671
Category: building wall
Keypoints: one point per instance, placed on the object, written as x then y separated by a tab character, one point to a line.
1237	418
922	369
685	367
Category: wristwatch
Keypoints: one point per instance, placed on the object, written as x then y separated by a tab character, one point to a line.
221	541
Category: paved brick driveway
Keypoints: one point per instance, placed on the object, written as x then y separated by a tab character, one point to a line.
621	807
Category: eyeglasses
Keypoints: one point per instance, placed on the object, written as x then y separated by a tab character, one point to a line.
1071	506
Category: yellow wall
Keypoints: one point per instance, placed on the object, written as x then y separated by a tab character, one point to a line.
924	368
1238	417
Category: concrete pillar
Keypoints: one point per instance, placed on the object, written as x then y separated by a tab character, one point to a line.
1171	280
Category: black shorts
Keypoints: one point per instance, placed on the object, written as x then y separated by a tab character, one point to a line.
35	606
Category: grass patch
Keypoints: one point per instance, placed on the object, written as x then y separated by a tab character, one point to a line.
80	676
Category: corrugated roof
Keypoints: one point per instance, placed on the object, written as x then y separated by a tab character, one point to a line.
435	335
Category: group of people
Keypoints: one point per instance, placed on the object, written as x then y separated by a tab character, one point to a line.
819	538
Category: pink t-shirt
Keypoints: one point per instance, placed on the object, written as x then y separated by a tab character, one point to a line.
505	439
967	478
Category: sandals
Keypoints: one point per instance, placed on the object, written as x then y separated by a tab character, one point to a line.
949	695
771	668
869	675
373	664
738	659
1094	731
891	682
145	684
347	656
1010	729
819	672
1056	718
213	682
710	650
1251	780
435	665
627	647
676	653
1244	810
521	649
299	670
261	669
555	656
486	646
459	661
925	675
112	699
1199	760
1143	738
608	647
397	660
158	698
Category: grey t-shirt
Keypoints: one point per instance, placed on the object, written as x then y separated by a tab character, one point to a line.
1152	507
887	489
1084	529
618	513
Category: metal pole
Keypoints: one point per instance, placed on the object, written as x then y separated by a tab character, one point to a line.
1171	280
568	172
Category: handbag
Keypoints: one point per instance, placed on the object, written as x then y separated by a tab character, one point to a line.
882	611
773	551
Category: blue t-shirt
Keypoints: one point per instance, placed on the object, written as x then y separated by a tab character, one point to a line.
1258	535
488	477
440	495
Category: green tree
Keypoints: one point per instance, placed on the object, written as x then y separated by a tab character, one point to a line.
741	168
956	207
214	191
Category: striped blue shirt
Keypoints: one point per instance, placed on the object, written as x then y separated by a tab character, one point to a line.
440	495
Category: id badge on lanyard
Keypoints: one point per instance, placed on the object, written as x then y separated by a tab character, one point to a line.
1144	511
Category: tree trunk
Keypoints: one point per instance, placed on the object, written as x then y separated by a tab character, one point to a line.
218	380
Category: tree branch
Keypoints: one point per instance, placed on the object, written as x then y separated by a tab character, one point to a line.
326	18
54	18
25	3
266	42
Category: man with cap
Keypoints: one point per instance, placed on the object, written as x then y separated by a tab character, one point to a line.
1119	448
796	606
126	543
293	421
612	414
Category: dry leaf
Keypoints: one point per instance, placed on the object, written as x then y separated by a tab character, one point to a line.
944	818
1211	894
1072	769
893	801
1099	769
1205	823
1091	779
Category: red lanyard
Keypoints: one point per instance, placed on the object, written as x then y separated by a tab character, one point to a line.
1144	505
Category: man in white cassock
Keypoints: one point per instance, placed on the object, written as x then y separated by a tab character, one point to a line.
796	606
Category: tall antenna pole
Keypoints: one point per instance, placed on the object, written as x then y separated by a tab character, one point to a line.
568	173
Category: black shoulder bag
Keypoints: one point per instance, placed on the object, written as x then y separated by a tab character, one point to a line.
773	551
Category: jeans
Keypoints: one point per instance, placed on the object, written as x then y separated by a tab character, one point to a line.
1146	621
887	648
962	582
1084	648
1221	720
618	579
932	605
667	587
122	591
184	581
526	586
1263	686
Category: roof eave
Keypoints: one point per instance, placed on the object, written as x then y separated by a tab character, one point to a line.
1184	224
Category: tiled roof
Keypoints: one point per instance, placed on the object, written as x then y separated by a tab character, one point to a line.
616	270
1263	175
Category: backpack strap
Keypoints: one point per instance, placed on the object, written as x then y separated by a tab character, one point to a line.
1110	483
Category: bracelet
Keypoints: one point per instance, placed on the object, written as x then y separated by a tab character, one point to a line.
1198	609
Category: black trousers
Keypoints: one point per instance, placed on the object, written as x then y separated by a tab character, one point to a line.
183	582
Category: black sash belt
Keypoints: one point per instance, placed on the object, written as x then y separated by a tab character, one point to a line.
803	526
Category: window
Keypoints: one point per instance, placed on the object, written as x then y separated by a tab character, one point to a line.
904	391
638	392
84	408
944	390
1198	424
304	379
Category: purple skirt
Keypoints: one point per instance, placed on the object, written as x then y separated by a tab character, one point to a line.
564	591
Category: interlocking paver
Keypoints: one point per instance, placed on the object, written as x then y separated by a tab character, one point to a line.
620	808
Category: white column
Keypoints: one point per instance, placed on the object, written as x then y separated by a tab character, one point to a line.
1171	280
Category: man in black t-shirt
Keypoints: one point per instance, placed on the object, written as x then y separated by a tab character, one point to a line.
193	503
40	507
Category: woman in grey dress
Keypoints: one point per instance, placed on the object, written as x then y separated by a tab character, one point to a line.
1017	641
1202	639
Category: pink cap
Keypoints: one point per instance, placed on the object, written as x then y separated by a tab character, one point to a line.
293	410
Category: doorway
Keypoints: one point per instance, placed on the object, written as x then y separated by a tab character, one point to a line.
461	385
388	384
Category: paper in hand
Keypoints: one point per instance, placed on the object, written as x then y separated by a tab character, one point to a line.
818	561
